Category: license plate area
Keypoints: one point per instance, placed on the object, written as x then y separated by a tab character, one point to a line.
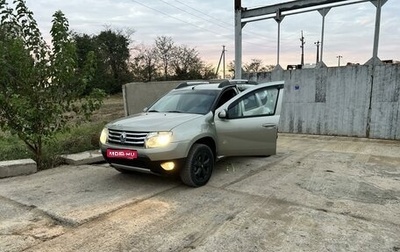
122	154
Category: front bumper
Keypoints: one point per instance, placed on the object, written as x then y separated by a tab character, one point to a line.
149	160
144	164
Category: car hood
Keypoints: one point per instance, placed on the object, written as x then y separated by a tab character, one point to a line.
152	121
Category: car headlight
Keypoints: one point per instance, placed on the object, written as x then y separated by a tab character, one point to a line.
103	136
158	139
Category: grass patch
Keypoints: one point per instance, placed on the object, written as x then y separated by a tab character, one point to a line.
80	138
12	147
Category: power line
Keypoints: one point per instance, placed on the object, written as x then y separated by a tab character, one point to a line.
168	15
191	13
203	13
190	23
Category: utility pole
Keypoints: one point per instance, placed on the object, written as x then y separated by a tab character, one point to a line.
317	44
338	59
223	62
302	48
222	57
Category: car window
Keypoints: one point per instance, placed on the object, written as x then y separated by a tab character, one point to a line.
250	102
261	102
226	96
185	102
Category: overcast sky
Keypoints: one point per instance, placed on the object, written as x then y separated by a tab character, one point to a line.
208	24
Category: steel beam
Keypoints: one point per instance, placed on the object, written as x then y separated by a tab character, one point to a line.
276	11
238	40
323	13
299	4
262	13
378	4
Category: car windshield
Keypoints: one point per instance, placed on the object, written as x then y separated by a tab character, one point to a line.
186	101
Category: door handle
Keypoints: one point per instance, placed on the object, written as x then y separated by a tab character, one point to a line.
269	125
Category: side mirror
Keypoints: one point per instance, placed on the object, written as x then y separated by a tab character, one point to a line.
223	114
145	109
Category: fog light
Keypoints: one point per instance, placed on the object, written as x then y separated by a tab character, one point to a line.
168	166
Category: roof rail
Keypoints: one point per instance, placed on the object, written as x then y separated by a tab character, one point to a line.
224	84
243	81
191	83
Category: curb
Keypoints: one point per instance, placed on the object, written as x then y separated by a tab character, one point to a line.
87	157
17	167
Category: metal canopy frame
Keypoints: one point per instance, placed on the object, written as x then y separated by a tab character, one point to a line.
291	8
279	11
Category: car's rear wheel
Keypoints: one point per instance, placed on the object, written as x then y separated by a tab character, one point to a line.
198	167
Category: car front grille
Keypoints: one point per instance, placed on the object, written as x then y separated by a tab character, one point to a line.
129	138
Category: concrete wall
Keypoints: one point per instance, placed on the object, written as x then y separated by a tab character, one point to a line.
138	95
362	101
385	103
358	101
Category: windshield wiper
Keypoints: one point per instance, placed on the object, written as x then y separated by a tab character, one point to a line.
152	110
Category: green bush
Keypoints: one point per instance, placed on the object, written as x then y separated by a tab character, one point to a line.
78	139
12	147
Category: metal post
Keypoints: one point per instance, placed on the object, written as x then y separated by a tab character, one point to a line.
238	39
323	12
317	44
377	29
378	4
339	57
322	37
279	43
278	18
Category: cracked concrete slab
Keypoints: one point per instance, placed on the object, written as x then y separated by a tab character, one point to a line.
317	194
76	194
23	227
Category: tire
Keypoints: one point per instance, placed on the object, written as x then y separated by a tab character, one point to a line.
198	166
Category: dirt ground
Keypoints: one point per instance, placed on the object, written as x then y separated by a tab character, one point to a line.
112	108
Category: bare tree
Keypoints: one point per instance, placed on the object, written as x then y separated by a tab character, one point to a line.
164	49
254	66
186	63
144	63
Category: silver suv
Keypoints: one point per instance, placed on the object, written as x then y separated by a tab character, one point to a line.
184	132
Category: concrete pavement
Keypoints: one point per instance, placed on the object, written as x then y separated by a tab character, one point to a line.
317	194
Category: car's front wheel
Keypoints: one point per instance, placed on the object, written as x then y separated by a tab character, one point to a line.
198	167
